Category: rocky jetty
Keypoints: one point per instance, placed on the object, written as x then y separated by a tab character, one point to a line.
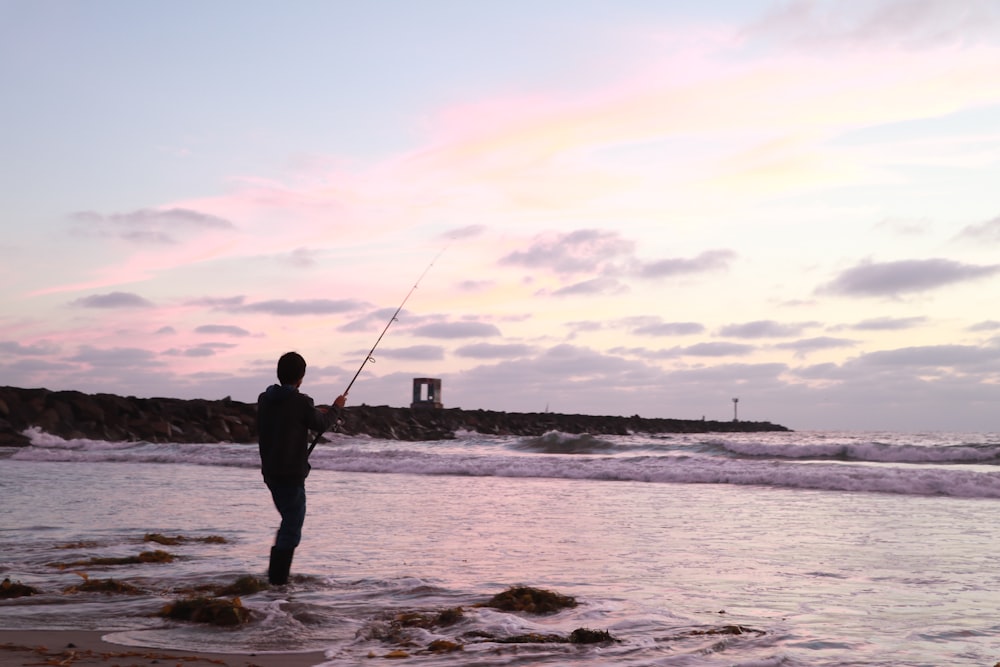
72	414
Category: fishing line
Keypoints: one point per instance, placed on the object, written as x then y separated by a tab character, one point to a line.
371	352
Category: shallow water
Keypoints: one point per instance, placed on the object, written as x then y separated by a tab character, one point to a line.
815	576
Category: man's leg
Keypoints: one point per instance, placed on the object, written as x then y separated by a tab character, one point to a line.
291	504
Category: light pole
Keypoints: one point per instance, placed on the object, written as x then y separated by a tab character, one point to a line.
736	416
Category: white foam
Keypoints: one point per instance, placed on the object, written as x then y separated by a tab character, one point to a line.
759	463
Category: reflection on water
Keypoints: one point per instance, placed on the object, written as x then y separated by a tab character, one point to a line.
820	577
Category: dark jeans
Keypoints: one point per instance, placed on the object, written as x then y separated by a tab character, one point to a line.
290	500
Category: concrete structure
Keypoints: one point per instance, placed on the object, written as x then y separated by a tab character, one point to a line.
431	398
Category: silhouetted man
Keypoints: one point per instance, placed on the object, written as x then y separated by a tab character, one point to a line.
284	418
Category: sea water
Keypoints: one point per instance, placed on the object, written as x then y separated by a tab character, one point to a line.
689	549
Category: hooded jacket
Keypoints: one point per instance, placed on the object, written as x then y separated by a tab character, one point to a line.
284	418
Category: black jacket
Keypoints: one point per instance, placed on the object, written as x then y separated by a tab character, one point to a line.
284	418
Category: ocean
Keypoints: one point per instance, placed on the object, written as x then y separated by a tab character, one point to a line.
738	549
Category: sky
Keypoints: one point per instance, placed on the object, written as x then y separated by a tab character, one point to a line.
618	207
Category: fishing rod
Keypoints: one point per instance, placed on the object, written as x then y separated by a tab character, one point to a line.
388	324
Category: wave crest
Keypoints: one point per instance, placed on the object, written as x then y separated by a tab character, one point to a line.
557	442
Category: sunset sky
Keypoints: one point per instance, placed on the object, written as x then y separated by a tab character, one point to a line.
622	207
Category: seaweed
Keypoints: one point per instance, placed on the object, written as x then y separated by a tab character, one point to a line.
101	586
245	585
578	636
15	589
518	598
443	646
214	611
586	636
77	545
530	600
144	557
532	638
415	619
727	630
180	539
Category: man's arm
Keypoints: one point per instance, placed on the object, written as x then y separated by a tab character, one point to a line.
326	418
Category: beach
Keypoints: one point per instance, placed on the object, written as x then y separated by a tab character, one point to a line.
693	550
85	648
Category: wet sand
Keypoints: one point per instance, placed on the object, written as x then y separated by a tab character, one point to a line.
85	648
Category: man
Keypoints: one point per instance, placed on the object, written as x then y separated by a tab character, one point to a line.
284	418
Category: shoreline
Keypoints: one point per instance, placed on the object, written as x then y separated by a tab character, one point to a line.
87	648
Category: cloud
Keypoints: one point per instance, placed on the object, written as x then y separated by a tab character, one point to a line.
717	349
369	321
669	329
988	231
763	329
456	330
585	325
581	251
34	365
904	226
931	356
985	325
148	225
216	345
910	24
219	303
888	323
37	349
224	329
591	287
414	352
730	375
493	351
115	357
283	307
467	232
710	260
113	300
302	306
300	258
474	285
165	330
607	253
891	279
198	351
574	363
807	345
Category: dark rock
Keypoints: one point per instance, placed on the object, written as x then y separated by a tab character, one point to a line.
72	414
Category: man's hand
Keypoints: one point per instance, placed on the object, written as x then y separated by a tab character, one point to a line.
339	402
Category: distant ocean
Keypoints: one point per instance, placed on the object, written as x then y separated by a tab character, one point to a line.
737	549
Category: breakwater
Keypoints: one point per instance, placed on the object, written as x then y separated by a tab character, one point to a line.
73	414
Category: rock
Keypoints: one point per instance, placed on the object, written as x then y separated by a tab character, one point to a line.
72	414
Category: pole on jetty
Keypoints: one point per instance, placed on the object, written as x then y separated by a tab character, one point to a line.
736	416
